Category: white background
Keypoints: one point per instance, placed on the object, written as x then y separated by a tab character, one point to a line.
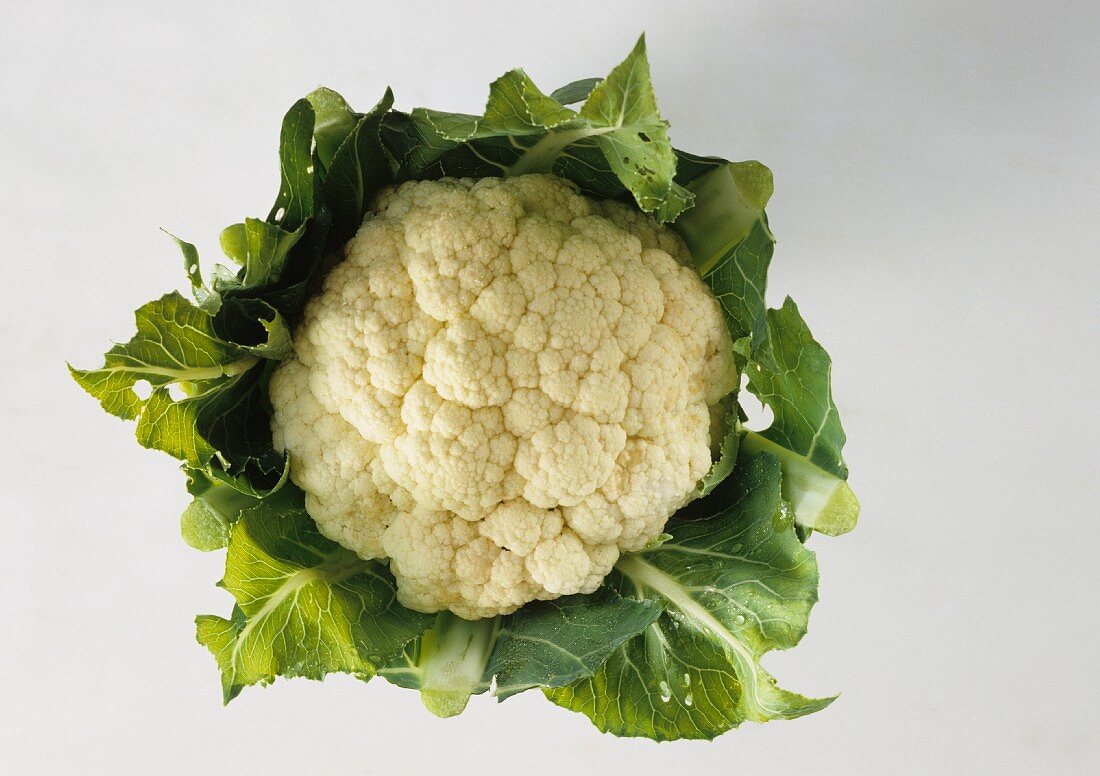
936	205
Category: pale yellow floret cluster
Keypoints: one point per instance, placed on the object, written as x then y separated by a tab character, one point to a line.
502	386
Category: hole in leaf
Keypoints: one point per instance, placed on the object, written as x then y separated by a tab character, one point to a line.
176	393
644	137
143	389
280	213
760	415
193	269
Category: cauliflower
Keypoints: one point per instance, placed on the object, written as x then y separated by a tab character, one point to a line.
502	387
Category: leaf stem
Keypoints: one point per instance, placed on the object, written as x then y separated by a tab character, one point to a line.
820	501
729	201
541	156
748	672
189	374
454	656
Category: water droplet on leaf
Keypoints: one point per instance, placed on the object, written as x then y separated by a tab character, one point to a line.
666	691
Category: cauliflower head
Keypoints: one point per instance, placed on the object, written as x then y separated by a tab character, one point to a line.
501	387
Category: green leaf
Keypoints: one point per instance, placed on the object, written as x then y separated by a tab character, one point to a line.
214	419
306	607
727	451
237	422
358	168
209	301
637	147
739	281
205	399
517	117
657	541
734	586
517	107
207	520
543	644
260	479
615	146
555	643
175	342
728	236
288	295
791	373
204	527
575	91
690	167
260	248
254	325
278	343
334	120
296	200
819	501
729	239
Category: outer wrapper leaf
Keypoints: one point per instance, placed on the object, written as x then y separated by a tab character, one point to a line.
334	120
791	373
575	91
260	248
728	235
734	586
204	526
615	146
729	239
305	606
555	643
543	644
254	325
728	447
358	167
637	148
296	202
218	501
175	342
176	349
205	364
208	300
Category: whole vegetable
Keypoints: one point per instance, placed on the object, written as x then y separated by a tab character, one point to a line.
467	415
